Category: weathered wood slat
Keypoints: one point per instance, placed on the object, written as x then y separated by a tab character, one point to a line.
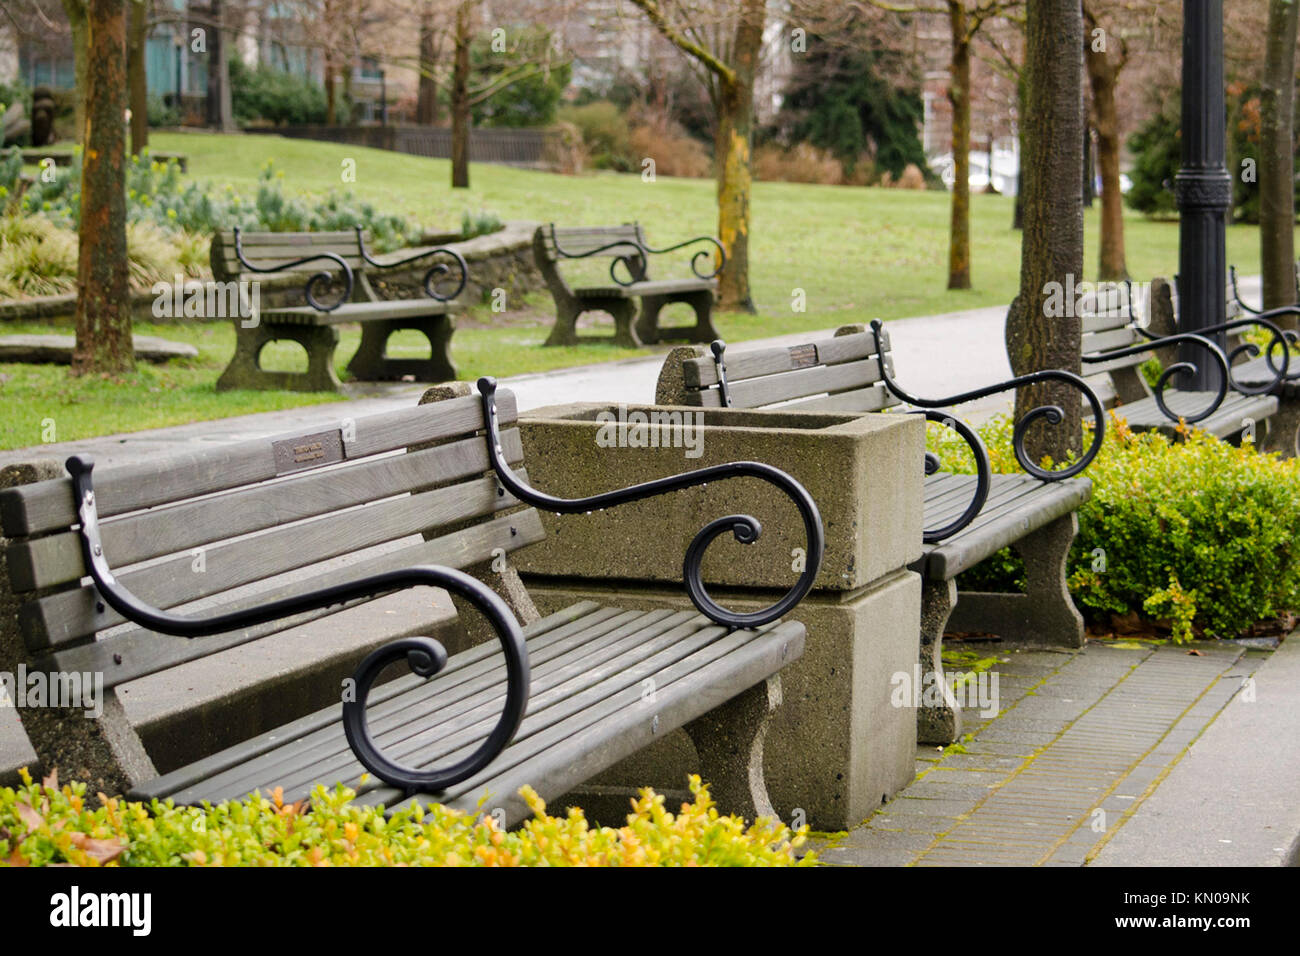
562	755
137	653
756	363
577	616
48	506
56	559
456	713
573	712
1095	342
804	383
1004	525
174	582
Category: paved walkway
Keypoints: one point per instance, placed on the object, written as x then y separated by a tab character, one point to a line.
936	355
1081	744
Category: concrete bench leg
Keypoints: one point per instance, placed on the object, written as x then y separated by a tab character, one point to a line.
936	723
245	370
729	742
371	364
647	326
1284	427
1044	614
623	311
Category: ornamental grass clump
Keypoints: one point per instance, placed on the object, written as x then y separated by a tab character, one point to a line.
1196	535
46	824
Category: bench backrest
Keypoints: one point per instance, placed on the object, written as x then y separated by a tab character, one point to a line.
278	514
269	250
837	374
611	242
1107	319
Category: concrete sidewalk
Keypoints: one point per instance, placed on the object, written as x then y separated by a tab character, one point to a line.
1120	754
936	356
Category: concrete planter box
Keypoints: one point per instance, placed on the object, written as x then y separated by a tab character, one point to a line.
863	471
837	746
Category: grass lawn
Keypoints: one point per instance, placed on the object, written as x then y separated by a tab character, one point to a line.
856	253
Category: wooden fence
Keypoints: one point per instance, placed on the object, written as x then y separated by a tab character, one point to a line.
508	147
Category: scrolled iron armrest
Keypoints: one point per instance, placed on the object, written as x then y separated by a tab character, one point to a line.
721	255
308	289
423	655
1158	342
1264	317
745	528
437	272
1051	414
636	270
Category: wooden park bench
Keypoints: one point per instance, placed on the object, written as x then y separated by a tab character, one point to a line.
336	257
1272	366
625	246
968	517
1117	341
415	497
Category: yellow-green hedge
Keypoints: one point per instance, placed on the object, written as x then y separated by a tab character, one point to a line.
43	824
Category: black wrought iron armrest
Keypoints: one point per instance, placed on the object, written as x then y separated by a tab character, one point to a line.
745	528
423	655
1155	342
983	471
635	264
719	253
308	289
1051	414
1264	317
437	272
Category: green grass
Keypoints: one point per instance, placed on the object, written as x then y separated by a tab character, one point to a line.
857	253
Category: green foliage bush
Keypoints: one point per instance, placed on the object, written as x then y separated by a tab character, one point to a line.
1157	154
605	134
157	193
275	96
1198	534
45	824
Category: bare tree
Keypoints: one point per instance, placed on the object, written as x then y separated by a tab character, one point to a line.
965	20
723	40
103	343
1277	156
1052	248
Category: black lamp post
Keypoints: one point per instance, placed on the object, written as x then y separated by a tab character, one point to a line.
1203	187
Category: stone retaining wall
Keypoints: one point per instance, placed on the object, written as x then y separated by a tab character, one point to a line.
502	259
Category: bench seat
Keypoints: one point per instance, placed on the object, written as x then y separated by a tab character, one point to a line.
359	312
1227	420
588	708
1016	506
651	287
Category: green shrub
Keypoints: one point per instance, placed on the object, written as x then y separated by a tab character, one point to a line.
38	257
481	223
605	134
157	193
1197	534
275	96
45	824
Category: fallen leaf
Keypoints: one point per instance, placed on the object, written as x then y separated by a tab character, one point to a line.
16	859
1194	652
52	781
104	851
29	816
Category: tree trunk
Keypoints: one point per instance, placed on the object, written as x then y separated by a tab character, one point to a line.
1018	213
1087	181
331	94
460	107
138	33
959	97
426	107
733	151
103	296
1103	78
1052	247
1276	158
76	11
